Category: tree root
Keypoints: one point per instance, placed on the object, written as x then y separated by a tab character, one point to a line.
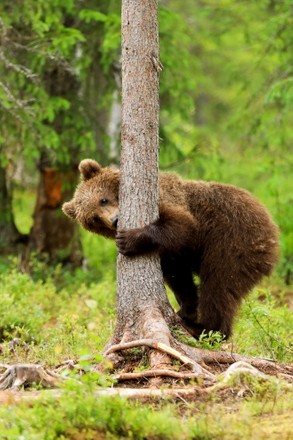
152	344
152	330
210	358
197	370
196	355
156	373
23	375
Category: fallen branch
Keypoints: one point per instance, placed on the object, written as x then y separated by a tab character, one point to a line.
10	398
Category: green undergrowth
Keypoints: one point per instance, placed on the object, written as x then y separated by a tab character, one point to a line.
264	327
66	313
78	413
53	324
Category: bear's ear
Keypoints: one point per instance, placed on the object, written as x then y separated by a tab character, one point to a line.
89	168
69	209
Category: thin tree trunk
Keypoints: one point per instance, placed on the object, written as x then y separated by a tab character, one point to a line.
141	292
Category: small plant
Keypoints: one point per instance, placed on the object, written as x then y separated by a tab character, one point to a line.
210	341
264	327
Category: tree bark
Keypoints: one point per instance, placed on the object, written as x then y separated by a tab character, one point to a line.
142	301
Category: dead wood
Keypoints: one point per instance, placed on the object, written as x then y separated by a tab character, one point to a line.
24	375
141	394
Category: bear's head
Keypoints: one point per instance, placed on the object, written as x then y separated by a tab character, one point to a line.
95	201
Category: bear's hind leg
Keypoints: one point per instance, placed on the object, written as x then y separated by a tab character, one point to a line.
178	276
217	308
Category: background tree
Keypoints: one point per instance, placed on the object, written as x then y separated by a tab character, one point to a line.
9	235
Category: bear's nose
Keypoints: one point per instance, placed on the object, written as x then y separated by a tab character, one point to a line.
115	222
96	219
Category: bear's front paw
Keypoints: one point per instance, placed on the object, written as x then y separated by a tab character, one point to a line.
132	242
126	241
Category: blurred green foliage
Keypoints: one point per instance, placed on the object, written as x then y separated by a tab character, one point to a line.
226	91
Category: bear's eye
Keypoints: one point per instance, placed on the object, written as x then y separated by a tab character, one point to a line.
103	202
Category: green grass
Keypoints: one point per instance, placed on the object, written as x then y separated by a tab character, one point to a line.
265	327
79	414
67	314
54	324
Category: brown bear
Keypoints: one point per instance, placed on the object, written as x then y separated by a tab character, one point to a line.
216	231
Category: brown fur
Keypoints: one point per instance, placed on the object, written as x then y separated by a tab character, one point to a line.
217	231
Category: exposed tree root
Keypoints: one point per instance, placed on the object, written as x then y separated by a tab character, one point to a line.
152	330
210	358
152	344
242	367
152	326
197	370
156	373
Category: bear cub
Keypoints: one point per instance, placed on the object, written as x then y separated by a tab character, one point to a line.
213	230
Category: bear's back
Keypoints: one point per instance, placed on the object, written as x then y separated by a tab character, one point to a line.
220	209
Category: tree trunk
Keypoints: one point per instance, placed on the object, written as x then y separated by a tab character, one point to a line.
52	233
144	312
142	301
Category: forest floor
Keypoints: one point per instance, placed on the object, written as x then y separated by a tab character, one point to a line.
62	320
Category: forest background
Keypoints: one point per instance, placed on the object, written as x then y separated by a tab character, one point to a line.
226	96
